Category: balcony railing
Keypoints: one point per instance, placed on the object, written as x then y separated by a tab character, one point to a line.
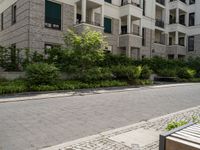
88	22
184	1
160	42
132	2
133	33
172	21
162	2
160	23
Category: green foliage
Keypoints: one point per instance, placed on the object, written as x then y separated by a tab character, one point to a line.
10	58
172	125
167	72
11	87
186	73
127	72
116	60
146	72
86	41
41	74
96	74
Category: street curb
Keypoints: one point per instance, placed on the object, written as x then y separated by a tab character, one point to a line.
82	92
107	133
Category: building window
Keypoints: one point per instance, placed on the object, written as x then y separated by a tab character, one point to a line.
182	19
107	25
191	43
181	41
108	1
191	19
2	22
144	9
192	2
13	54
52	15
14	13
143	37
170	40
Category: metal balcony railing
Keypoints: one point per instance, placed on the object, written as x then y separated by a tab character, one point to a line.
162	2
132	2
88	22
160	23
184	1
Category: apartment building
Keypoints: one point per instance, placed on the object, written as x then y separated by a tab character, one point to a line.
136	28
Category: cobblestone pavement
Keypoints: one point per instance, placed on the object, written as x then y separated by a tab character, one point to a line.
103	141
35	124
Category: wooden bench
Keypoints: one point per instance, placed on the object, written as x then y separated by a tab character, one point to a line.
184	138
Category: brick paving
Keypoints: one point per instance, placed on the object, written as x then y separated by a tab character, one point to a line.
36	124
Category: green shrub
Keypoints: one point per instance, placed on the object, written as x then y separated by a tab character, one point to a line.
186	73
167	72
41	74
126	72
43	88
146	72
172	125
11	87
96	74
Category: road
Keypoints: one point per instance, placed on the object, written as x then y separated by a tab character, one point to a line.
35	124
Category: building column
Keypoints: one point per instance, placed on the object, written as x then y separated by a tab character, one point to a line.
75	13
141	4
120	24
140	28
128	51
83	10
185	42
129	24
177	15
102	15
176	38
92	16
186	19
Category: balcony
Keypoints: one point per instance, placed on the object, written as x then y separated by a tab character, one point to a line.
98	2
127	2
183	1
162	2
178	4
130	39
81	26
160	23
176	50
131	8
177	27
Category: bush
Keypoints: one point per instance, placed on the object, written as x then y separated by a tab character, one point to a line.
96	74
186	73
146	72
126	72
172	125
11	87
167	72
41	74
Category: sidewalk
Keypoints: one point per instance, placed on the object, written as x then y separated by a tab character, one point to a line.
140	136
83	92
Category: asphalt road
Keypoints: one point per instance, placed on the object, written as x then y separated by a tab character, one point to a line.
31	125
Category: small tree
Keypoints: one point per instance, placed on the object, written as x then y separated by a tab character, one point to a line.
86	49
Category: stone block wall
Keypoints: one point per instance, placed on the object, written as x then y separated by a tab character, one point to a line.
16	33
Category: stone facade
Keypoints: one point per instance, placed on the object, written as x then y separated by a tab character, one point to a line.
29	31
17	33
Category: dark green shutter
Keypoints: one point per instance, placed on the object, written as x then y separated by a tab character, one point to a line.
108	1
107	25
52	13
